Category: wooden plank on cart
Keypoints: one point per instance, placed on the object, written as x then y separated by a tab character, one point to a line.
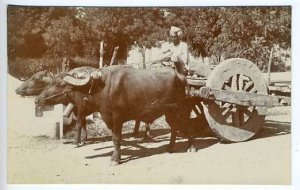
241	98
279	77
196	81
283	89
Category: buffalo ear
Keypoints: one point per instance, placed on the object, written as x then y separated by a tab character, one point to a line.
47	79
50	74
22	79
75	81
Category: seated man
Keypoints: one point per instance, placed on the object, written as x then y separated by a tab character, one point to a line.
178	51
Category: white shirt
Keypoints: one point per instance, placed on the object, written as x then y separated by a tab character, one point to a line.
178	53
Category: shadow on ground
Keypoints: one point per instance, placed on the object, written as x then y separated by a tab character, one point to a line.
135	148
274	128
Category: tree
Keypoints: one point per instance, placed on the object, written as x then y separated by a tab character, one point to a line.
24	36
248	32
123	27
220	32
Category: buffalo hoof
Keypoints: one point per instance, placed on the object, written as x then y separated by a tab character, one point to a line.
170	149
135	135
192	149
77	145
148	136
114	163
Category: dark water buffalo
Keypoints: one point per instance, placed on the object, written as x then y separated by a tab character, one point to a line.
35	84
120	94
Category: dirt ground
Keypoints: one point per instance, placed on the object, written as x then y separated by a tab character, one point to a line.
35	159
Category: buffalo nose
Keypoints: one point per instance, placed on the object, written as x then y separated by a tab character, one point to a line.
18	91
36	101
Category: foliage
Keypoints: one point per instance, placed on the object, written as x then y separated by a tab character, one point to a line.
123	27
51	33
248	32
21	67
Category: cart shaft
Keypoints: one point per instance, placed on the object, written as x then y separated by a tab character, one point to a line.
241	98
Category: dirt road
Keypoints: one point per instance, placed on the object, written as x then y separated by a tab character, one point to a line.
264	160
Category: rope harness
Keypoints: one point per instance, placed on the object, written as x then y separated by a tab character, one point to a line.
56	95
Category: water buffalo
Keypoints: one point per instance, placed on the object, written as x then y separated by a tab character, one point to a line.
122	93
35	84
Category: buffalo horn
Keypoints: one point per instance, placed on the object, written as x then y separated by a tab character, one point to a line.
68	109
96	75
75	81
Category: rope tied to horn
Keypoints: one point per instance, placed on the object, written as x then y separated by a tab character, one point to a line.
82	78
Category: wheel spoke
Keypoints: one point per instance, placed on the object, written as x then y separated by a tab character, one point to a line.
241	83
241	117
226	105
197	112
227	87
238	118
234	83
248	85
245	78
247	112
253	90
226	113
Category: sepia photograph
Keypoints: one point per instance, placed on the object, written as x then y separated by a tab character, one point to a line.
149	95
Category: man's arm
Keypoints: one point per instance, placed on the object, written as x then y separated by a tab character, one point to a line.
183	58
181	54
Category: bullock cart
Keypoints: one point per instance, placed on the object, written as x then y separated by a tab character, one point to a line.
235	99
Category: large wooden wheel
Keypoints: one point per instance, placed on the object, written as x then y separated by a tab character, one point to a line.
232	122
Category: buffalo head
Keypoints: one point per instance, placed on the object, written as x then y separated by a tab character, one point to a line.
35	84
63	86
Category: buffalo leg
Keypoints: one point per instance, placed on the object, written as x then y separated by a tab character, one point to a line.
186	125
191	146
172	140
80	122
116	137
179	121
136	128
84	130
147	134
173	125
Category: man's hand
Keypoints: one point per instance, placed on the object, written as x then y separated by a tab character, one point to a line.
166	59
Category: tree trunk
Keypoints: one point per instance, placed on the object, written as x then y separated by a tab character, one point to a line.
144	57
113	58
101	55
269	66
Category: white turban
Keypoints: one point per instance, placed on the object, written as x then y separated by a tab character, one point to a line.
175	31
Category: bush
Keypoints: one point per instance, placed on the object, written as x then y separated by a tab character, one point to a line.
25	67
83	61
